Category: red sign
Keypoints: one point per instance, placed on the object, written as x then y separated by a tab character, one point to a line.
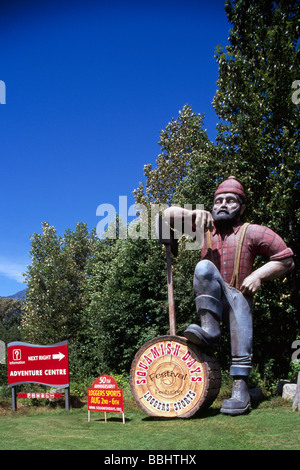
32	363
40	395
105	395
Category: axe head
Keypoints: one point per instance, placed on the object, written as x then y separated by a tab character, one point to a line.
165	234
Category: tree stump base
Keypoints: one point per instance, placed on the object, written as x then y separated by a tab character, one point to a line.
170	377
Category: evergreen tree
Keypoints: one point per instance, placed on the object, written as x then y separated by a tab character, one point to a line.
258	142
258	138
10	317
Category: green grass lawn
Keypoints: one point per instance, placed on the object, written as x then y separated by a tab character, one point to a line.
270	426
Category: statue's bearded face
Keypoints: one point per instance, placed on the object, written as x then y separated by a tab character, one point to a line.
227	210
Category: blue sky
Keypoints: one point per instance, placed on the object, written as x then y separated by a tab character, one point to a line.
89	87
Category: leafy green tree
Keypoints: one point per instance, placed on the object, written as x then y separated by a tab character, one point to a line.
56	279
128	300
42	307
186	152
98	271
180	141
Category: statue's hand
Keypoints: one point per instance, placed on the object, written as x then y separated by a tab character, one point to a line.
203	219
267	272
251	284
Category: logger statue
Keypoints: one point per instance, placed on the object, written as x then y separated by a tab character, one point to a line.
170	376
175	376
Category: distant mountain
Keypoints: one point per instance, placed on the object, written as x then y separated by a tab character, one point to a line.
18	296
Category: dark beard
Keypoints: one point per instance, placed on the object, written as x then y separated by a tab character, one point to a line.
224	221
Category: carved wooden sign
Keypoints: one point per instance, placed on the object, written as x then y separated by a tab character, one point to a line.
170	378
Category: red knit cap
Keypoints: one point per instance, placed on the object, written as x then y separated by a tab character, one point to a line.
231	185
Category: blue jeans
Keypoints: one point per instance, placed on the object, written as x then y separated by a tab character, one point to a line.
237	312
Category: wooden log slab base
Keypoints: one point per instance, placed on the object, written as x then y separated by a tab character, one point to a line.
170	377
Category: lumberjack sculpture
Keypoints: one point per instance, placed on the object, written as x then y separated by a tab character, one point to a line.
224	283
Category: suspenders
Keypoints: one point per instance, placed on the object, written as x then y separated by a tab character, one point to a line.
235	276
208	245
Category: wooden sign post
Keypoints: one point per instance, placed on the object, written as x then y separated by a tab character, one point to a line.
172	316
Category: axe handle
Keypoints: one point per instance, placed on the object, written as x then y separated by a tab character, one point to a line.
172	316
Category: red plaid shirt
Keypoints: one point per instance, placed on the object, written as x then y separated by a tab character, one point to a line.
258	240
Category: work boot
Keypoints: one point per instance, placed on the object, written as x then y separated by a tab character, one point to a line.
209	334
239	402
